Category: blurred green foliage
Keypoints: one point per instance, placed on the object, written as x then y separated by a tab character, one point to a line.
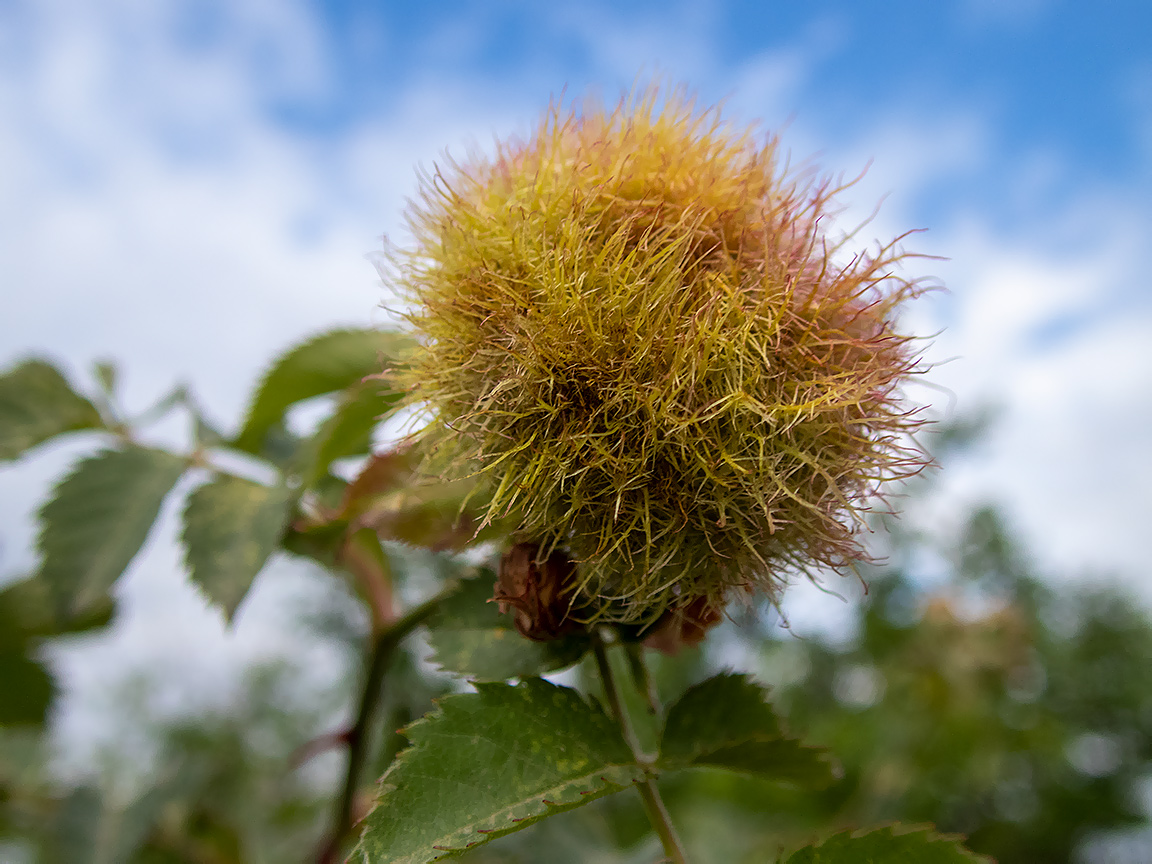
986	701
967	691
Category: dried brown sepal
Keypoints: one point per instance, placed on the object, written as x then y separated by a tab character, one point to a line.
684	626
539	594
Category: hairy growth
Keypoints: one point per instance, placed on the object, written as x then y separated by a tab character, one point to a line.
637	331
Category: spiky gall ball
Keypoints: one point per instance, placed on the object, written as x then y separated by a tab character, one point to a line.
637	330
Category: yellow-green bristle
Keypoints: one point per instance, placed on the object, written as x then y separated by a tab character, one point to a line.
636	331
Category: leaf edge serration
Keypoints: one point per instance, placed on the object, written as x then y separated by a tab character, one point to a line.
611	777
740	692
892	832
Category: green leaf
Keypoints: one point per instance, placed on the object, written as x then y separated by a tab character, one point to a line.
332	361
27	689
26	615
203	432
231	526
107	376
490	763
321	543
726	722
283	448
31	603
97	520
893	845
177	396
36	404
471	637
348	431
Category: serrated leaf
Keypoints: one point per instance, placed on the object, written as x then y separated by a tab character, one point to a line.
231	526
891	845
471	637
726	722
490	763
36	403
97	520
330	362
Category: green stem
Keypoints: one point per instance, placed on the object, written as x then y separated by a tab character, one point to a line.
640	676
384	643
661	821
649	793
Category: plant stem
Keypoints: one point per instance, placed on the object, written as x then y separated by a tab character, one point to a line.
384	643
649	793
640	676
661	821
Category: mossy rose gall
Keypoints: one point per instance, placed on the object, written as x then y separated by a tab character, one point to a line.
637	329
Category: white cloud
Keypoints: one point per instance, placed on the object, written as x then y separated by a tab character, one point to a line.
621	44
150	210
1002	14
153	213
1045	319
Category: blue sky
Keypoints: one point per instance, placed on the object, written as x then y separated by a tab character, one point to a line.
190	186
1052	77
1050	74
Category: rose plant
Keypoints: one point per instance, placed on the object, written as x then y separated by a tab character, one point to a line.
654	385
